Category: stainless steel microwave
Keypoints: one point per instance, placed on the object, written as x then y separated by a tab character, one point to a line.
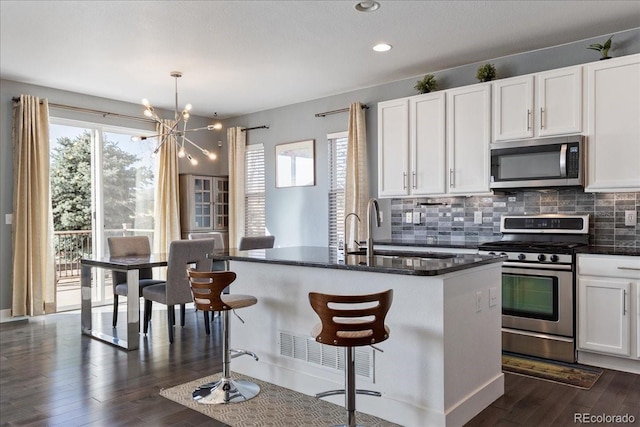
539	163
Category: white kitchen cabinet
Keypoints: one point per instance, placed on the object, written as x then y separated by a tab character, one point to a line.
427	144
613	128
538	105
604	315
468	137
393	148
411	146
608	304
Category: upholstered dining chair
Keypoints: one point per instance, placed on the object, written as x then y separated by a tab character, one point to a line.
176	289
210	235
129	246
256	242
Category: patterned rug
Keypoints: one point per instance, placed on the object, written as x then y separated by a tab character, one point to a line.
564	373
274	407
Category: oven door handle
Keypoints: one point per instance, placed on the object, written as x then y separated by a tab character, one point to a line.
537	266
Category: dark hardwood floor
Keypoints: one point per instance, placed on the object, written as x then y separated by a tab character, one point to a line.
51	375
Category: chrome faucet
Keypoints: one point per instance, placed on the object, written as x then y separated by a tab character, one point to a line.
372	204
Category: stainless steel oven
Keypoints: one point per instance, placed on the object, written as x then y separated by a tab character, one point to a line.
538	287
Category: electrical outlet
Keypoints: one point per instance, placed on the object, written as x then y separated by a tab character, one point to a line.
408	217
477	217
630	218
478	301
8	219
493	297
416	217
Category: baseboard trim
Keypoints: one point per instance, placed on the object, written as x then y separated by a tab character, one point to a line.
5	316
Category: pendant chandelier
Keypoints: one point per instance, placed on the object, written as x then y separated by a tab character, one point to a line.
176	133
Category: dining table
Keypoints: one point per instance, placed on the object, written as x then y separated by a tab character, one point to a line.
130	265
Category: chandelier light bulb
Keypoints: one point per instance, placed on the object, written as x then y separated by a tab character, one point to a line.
192	160
145	102
209	154
182	153
148	113
135	138
188	107
217	126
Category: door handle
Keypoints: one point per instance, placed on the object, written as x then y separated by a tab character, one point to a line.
415	181
404	180
451	177
563	160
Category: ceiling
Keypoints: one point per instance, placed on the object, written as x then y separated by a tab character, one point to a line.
239	57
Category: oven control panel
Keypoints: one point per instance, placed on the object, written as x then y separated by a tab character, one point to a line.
532	257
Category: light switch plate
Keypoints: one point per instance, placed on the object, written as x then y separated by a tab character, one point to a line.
477	217
630	218
408	217
8	219
416	217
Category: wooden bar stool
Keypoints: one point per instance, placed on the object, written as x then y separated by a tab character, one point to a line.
350	321
207	287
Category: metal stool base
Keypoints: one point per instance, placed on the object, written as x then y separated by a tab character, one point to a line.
226	391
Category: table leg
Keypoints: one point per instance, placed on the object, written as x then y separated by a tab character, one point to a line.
133	309
85	292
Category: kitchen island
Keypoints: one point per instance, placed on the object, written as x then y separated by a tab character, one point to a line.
442	362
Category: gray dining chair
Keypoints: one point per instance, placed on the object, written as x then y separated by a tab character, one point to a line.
183	254
129	246
210	235
256	242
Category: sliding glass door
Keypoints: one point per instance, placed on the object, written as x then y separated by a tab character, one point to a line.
102	185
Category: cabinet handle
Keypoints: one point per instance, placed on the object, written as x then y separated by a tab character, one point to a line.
624	303
404	180
629	268
451	178
541	118
528	119
415	181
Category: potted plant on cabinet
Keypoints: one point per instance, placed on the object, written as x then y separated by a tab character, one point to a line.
602	48
427	84
486	73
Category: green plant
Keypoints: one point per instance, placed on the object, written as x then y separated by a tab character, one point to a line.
486	73
602	48
427	84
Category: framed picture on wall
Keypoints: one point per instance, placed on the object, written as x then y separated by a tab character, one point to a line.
295	164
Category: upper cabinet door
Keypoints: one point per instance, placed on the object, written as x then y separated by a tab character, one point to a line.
556	108
559	102
427	136
513	108
468	136
613	134
393	148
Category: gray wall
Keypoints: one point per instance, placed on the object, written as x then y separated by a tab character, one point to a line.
294	215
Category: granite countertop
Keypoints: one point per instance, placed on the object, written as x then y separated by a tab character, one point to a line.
419	264
608	250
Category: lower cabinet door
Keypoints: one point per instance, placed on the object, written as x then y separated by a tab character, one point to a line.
603	315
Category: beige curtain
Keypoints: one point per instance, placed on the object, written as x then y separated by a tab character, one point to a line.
33	265
237	148
357	179
167	197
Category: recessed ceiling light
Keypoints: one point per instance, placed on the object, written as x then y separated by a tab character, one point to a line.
382	47
367	6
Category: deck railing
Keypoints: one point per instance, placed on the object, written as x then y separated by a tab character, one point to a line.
70	247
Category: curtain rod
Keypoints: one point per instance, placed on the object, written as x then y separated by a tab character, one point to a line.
92	111
256	127
342	110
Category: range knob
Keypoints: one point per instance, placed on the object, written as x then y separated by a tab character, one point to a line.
554	258
492	253
522	257
503	254
541	257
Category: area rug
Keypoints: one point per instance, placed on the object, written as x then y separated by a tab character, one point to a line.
275	406
564	373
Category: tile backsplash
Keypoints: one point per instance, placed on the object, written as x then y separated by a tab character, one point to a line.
453	222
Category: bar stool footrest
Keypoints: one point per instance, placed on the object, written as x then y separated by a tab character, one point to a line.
342	391
225	391
239	352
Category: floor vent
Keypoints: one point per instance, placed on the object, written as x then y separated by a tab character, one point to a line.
305	348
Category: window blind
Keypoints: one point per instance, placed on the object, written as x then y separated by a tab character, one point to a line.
337	178
255	220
